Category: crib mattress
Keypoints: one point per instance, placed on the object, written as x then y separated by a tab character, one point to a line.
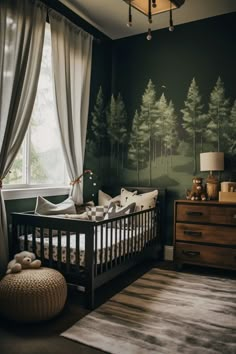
109	243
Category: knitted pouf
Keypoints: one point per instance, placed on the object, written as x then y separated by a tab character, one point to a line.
32	295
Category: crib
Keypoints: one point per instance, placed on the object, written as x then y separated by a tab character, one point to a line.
90	253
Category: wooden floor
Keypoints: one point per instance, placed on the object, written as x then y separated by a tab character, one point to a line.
44	337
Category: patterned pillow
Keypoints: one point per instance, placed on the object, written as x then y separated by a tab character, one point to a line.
143	201
124	195
106	199
97	213
116	211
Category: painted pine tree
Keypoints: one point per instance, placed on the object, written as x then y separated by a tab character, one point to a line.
117	129
137	152
232	130
148	116
171	136
192	113
98	124
218	114
160	122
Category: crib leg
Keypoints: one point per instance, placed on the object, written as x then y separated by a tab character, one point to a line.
89	294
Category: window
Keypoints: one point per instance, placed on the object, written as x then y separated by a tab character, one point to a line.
40	161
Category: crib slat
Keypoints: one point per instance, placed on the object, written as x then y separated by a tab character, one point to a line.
67	251
58	256
106	250
77	250
50	247
95	235
41	244
120	244
116	229
101	248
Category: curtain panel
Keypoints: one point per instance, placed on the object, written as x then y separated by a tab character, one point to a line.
22	25
72	57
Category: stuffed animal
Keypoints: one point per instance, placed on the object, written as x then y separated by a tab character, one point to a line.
198	191
23	260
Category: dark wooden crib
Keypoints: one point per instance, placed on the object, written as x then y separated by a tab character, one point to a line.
90	253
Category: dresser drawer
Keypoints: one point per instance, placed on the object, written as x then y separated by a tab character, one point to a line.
221	214
222	235
205	255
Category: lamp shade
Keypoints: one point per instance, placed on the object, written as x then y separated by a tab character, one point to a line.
212	161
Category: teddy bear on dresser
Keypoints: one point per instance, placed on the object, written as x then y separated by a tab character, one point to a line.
23	260
198	191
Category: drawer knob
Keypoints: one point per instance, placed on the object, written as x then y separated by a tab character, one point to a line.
191	253
234	216
193	233
194	213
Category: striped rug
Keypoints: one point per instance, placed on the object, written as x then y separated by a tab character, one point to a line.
164	312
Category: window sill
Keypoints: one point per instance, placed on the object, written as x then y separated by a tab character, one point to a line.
25	193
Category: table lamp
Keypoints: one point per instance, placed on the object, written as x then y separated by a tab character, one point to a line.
212	161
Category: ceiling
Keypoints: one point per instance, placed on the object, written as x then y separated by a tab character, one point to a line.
111	16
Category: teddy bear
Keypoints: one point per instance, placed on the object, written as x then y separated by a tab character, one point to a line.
23	260
198	191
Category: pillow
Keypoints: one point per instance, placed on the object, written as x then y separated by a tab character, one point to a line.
44	207
97	213
106	199
124	195
143	201
116	211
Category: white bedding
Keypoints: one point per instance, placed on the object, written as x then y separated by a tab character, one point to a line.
118	238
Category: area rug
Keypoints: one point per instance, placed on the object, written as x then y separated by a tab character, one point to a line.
164	312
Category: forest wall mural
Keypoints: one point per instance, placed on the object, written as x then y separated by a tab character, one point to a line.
161	114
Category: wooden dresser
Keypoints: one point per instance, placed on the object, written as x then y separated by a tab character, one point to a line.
205	233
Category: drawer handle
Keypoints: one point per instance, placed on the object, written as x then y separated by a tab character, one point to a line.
192	233
191	253
194	213
234	216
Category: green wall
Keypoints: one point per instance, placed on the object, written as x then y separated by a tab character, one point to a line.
150	75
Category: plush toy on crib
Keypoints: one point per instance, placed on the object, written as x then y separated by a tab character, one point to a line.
23	260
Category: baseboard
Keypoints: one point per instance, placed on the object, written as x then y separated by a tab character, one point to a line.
168	253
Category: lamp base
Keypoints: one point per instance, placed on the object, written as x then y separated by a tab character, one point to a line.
212	188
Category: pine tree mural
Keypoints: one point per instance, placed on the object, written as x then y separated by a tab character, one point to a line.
171	136
160	123
192	113
98	123
232	130
117	129
218	115
137	149
148	116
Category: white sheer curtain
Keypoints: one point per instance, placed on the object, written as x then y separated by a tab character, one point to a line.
22	24
72	57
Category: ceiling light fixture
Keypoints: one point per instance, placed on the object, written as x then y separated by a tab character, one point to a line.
153	7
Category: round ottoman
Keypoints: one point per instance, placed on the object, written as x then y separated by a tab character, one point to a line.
32	295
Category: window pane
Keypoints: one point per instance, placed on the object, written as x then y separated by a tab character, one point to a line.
45	155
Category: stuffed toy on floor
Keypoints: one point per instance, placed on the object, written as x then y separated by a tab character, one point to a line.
23	260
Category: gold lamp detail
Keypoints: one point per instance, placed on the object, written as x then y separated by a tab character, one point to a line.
153	7
212	161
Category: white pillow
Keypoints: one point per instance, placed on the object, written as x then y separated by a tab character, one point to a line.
44	207
143	201
124	195
106	199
